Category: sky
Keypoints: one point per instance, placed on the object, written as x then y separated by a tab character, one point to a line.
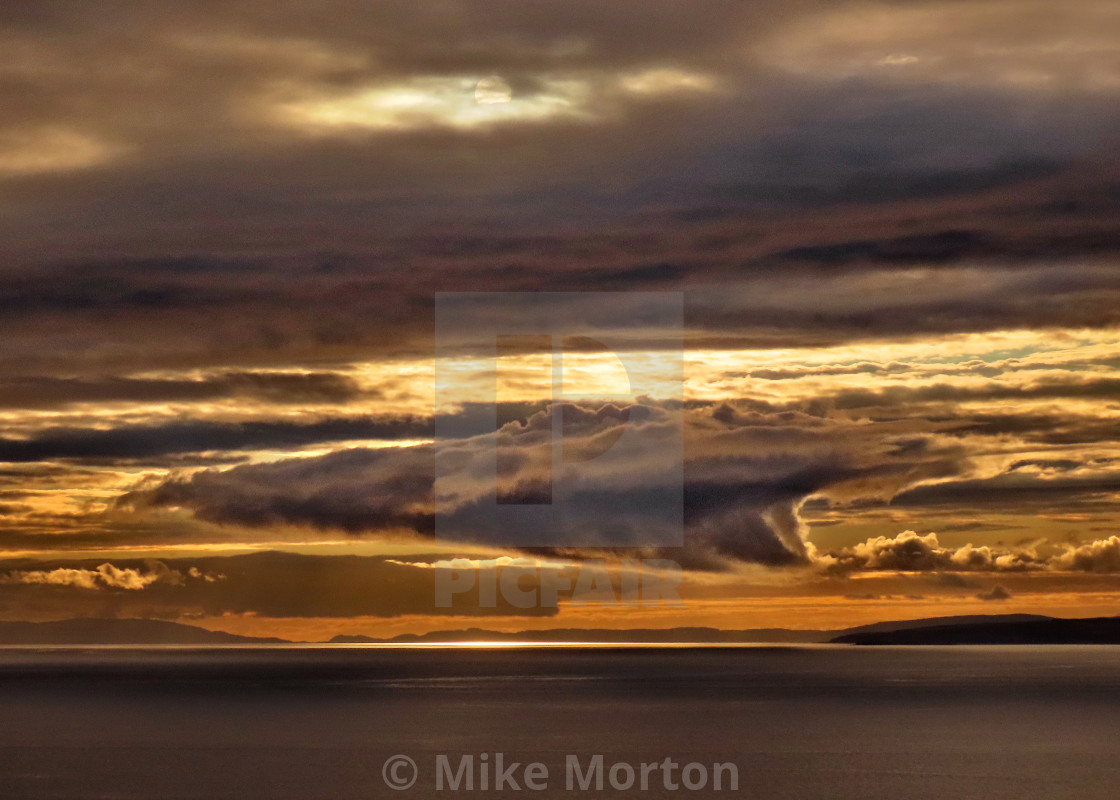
890	226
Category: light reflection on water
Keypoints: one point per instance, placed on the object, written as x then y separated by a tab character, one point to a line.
801	722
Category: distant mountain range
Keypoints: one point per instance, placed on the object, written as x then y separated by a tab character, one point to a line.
117	631
682	635
980	629
1039	630
603	636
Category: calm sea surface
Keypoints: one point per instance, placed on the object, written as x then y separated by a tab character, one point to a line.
798	722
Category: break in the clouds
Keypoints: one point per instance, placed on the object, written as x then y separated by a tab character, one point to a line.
223	226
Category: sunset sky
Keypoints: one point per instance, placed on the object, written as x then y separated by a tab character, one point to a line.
892	225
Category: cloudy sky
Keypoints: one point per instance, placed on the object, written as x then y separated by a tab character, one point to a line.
223	227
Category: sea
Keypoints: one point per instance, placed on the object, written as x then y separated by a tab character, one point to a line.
774	722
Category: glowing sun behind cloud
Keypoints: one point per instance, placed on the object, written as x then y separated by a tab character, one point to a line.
492	91
444	101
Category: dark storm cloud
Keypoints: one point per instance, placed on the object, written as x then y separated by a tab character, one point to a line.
866	368
911	399
924	249
1051	428
356	490
794	309
358	309
206	230
947	393
152	441
744	482
1076	367
47	392
1015	491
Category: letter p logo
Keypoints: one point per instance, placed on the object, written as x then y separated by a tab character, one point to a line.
559	419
